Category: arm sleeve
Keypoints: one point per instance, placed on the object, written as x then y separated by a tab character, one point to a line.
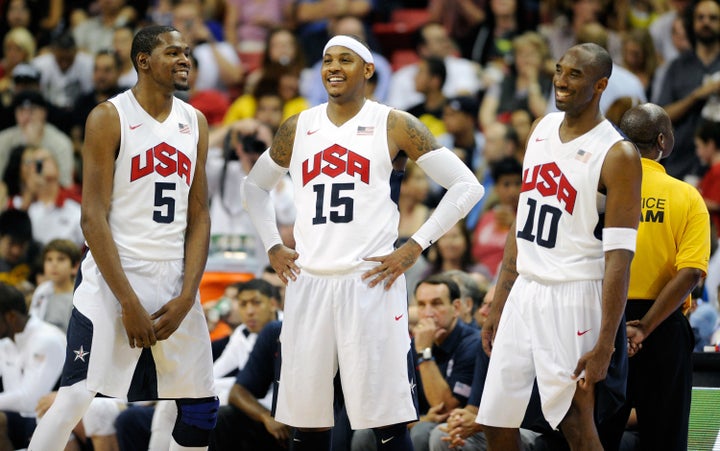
463	192
264	175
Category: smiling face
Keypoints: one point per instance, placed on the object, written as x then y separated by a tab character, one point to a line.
169	62
344	73
576	81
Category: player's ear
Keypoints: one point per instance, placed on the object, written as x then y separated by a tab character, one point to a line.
601	84
369	70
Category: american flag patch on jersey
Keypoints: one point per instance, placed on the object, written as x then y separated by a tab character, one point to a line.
583	155
365	130
184	128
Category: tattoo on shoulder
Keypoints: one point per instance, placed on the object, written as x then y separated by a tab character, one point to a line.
419	138
282	145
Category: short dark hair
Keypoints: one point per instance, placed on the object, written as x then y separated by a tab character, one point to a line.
708	130
147	39
602	60
506	166
65	247
443	279
263	286
436	67
16	224
11	299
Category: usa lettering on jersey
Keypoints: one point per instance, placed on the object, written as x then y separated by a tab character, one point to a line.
333	161
163	159
549	180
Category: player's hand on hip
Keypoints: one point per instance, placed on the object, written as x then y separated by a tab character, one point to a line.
392	265
138	326
282	259
170	315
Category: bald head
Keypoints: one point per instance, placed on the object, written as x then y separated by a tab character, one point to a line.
650	129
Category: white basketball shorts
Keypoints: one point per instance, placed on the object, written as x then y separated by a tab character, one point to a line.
544	330
338	322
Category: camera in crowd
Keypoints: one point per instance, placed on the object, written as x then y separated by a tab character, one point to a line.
250	144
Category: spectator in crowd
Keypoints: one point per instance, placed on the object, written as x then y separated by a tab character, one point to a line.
429	81
65	72
525	86
413	192
106	75
212	103
52	299
707	142
122	44
227	167
350	25
440	338
312	17
55	210
18	249
247	422
662	30
482	312
285	85
219	66
451	251
462	20
490	233
96	32
690	86
680	42
471	295
26	77
673	248
463	76
33	354
18	176
493	45
40	17
639	56
18	47
247	23
31	113
281	54
16	14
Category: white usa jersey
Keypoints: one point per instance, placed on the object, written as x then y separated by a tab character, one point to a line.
341	179
559	221
153	173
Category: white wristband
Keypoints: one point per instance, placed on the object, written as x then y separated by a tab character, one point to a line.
619	238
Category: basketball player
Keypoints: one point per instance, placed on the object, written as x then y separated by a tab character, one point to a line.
561	292
138	329
347	309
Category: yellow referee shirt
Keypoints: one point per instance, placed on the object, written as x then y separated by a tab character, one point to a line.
674	232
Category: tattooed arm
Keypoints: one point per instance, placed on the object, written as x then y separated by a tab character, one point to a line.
407	134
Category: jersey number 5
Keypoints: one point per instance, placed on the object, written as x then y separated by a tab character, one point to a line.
341	207
165	205
548	218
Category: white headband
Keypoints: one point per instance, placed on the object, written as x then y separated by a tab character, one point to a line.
351	43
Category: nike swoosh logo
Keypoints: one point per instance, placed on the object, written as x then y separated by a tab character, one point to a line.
310	132
583	332
133	127
537	140
385	440
397	318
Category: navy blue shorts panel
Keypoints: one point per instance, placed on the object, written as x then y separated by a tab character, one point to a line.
78	353
20	429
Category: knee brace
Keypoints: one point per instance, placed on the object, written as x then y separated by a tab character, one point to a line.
195	419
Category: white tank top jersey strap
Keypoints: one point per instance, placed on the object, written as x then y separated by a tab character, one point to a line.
559	208
154	170
341	177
